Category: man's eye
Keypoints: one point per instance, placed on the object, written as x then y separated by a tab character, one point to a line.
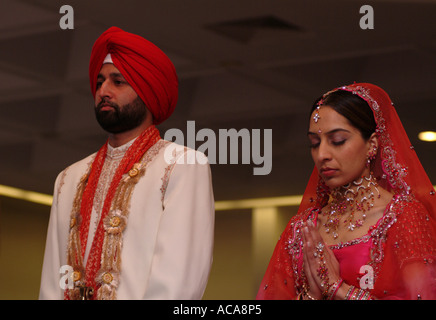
119	82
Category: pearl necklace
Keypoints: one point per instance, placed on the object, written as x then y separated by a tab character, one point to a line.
357	196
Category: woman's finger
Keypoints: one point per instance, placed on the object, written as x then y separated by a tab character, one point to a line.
329	257
310	263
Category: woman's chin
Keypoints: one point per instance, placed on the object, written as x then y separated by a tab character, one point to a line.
334	182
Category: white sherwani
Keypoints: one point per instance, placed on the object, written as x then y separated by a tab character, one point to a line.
168	241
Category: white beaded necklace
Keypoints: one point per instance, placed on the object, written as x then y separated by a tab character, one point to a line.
357	196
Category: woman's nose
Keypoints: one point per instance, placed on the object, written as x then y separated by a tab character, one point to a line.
324	152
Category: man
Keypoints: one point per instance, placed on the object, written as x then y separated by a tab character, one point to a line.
132	221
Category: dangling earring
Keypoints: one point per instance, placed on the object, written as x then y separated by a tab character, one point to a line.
371	157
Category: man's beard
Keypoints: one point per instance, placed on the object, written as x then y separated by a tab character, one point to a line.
121	119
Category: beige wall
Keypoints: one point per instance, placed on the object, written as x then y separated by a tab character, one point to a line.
23	228
244	240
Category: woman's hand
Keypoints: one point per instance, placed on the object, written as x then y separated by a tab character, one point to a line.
320	264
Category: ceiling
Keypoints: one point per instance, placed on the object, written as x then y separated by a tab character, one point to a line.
242	64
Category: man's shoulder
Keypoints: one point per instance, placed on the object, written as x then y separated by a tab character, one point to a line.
180	154
79	166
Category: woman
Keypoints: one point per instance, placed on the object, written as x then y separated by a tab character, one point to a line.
365	228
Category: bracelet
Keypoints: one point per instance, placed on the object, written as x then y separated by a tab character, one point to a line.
366	296
350	293
334	289
358	294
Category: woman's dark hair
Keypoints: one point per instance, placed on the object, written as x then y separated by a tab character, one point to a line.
353	108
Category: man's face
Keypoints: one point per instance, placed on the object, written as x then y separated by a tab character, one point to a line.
117	106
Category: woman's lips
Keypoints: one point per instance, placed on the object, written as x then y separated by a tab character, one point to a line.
328	172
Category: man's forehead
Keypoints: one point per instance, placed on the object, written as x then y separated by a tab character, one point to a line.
109	69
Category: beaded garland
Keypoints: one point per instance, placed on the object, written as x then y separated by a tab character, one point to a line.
104	263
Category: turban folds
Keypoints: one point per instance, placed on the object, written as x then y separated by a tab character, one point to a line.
145	67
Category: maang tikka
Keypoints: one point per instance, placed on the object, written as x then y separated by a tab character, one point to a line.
316	116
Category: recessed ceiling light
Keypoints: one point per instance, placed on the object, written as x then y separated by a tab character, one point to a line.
429	136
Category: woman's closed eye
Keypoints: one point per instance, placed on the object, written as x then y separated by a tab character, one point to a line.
339	142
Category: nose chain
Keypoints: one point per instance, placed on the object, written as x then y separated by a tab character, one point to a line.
355	197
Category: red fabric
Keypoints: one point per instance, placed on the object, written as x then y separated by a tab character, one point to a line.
133	155
145	67
408	269
403	250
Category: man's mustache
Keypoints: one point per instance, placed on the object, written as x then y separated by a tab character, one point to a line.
107	103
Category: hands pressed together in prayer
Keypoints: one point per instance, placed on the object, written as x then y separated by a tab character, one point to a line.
320	265
321	269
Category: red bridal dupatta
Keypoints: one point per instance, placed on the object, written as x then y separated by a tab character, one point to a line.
400	251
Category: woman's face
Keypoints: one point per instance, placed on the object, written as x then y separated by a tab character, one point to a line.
338	149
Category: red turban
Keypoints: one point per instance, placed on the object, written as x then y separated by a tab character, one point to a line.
145	67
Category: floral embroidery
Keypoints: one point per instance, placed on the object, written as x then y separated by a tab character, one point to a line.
112	161
167	172
115	222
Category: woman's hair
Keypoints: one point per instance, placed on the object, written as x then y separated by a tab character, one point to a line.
353	108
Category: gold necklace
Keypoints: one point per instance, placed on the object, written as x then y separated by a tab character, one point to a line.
357	196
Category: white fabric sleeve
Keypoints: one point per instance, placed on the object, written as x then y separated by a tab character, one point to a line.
50	288
184	246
